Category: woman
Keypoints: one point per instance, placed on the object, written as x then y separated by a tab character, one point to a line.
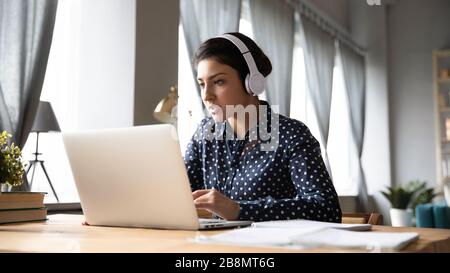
232	173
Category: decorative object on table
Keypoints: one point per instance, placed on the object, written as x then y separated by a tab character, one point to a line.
44	122
433	215
166	110
441	214
447	128
444	74
441	101
424	216
401	199
11	166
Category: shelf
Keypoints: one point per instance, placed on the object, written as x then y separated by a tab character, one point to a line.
441	84
443	53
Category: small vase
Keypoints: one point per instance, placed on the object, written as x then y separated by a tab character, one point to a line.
401	217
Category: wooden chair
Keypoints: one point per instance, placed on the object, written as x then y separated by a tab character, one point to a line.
362	218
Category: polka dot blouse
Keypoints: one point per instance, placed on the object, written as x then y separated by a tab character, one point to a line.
289	181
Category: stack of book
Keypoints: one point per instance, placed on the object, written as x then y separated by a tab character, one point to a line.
22	207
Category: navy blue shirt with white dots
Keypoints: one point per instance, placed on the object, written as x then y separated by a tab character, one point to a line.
289	181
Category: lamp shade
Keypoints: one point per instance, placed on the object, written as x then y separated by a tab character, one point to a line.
163	111
45	120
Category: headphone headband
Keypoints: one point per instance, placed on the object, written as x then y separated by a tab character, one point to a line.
244	51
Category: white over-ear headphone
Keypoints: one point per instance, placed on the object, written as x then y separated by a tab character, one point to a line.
255	82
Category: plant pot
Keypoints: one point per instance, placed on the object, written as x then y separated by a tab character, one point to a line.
401	217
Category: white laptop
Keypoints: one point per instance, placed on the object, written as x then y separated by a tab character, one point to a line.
135	177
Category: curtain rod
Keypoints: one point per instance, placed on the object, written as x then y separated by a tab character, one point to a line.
326	24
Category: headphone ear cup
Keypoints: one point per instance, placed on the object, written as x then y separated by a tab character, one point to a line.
255	84
247	85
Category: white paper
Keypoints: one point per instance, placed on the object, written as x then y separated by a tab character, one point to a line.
311	234
310	224
374	241
262	237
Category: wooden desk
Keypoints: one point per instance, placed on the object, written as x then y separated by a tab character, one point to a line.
65	233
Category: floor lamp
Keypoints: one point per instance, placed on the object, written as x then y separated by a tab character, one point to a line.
44	122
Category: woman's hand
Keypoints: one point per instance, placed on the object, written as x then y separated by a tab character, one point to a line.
216	202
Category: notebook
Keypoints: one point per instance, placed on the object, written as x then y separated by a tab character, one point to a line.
312	234
135	177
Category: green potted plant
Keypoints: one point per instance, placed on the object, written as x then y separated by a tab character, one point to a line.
400	198
11	166
423	194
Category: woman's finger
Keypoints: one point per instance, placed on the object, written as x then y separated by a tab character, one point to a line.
204	205
196	194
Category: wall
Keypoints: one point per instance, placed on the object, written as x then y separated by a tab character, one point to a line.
369	29
416	27
337	10
106	62
156	55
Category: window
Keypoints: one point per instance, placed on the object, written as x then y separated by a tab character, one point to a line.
189	108
245	27
61	90
339	136
89	82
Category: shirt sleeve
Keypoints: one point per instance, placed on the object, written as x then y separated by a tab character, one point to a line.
193	160
315	199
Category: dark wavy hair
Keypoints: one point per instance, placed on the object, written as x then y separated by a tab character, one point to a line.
225	52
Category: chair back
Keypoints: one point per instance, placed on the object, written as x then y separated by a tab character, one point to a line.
362	218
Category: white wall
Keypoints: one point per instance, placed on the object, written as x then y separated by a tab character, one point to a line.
106	56
416	28
338	10
368	28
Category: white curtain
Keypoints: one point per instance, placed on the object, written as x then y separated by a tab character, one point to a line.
353	69
273	28
203	19
319	54
26	30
